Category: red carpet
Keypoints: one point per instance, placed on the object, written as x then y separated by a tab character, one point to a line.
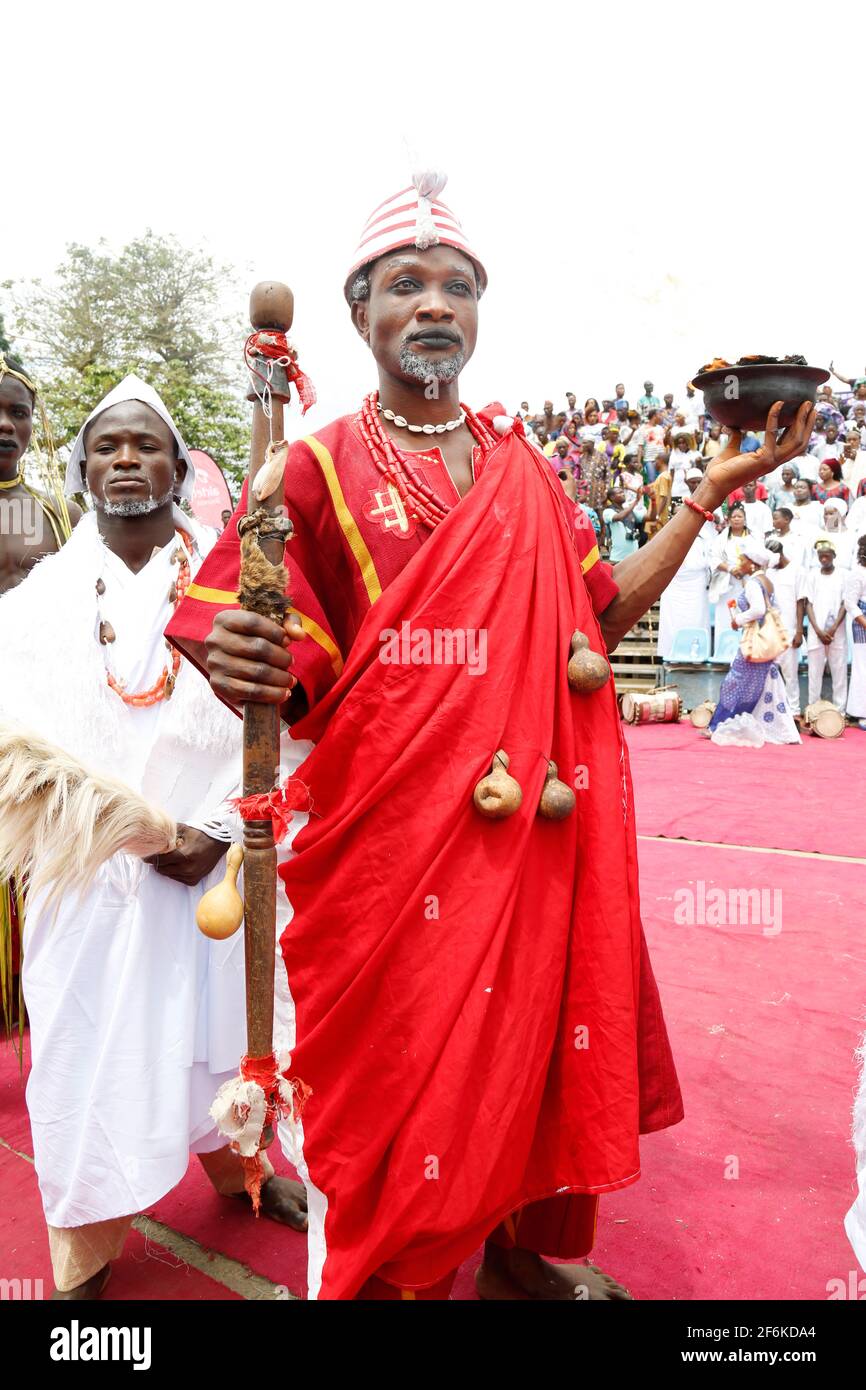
743	1200
792	797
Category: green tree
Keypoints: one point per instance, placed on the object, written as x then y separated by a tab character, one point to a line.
5	345
156	308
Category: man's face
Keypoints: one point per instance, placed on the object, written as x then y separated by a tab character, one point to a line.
618	497
780	522
16	422
226	517
562	447
749	490
622	415
587	447
571	398
647	388
524	407
861	393
605	434
860	413
548	407
669	400
559	421
131	466
692	484
715	431
832	432
787	475
826	558
802	491
421	318
620	390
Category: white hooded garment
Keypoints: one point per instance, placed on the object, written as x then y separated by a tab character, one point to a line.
136	1018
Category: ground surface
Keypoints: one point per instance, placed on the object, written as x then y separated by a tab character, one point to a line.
744	1199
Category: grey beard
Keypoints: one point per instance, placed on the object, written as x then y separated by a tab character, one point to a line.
134	507
428	369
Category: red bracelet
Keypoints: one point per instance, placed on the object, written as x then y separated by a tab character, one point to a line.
696	507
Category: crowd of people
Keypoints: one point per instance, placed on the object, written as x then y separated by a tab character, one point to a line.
629	466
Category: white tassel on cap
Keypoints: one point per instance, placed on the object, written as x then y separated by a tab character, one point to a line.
429	183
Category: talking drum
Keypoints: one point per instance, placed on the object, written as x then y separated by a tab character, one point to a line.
824	720
660	707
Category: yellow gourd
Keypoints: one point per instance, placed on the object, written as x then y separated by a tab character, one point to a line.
498	794
221	910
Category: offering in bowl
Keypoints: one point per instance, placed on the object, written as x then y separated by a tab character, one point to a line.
739	395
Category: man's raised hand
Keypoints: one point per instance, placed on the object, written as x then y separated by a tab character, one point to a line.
731	469
248	657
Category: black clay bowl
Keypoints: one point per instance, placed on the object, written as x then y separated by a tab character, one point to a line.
741	397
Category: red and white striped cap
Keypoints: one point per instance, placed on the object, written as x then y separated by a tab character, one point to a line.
413	217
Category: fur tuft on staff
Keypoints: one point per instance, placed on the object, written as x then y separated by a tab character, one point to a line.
59	822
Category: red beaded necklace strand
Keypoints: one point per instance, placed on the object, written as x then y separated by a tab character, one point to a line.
420	501
162	688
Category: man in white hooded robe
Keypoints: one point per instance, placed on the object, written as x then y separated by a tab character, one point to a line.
136	1017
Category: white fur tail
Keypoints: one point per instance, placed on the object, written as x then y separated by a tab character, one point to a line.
59	821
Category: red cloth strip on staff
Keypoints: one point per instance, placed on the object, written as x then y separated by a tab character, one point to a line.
273	344
276	805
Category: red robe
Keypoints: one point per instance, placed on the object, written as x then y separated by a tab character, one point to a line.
476	1014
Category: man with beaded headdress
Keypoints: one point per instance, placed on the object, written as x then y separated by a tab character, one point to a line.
476	1013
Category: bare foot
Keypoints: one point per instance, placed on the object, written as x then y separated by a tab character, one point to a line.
509	1275
285	1201
91	1288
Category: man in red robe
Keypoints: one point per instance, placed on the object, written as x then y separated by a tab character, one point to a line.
476	1013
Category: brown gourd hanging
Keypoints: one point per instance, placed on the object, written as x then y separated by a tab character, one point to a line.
498	794
587	670
557	798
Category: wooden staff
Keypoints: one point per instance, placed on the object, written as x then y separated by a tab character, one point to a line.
271	308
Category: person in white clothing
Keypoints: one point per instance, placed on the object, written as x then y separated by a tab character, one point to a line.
796	548
759	517
807	512
683	457
136	1017
827	643
835	529
789	597
684	602
855	606
752	708
726	583
856	518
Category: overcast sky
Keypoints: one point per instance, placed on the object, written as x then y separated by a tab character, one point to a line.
649	186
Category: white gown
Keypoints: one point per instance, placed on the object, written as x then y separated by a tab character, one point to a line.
723	586
136	1018
684	603
855	595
